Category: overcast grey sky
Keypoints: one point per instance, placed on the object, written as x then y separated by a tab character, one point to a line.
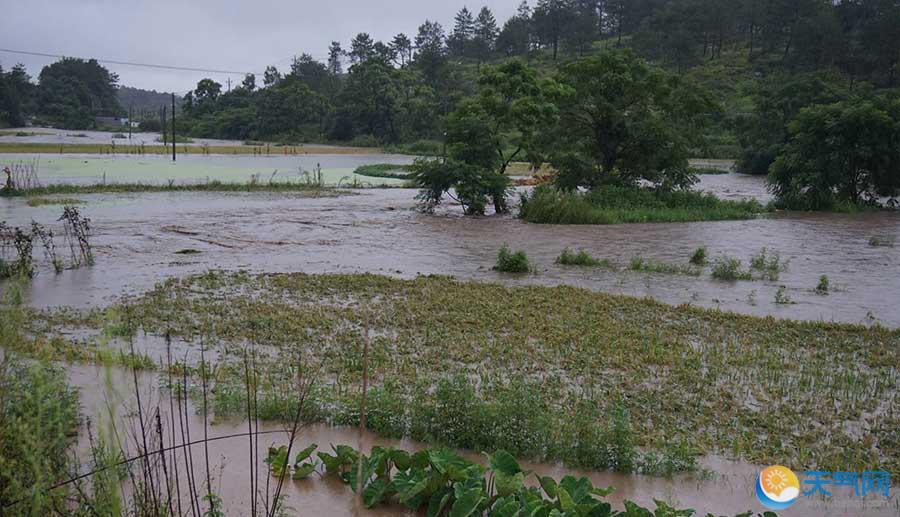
214	34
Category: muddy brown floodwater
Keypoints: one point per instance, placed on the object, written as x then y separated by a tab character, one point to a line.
729	490
137	236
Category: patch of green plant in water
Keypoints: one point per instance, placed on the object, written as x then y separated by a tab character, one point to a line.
782	298
656	266
42	201
768	265
822	288
582	258
729	268
613	205
699	256
211	186
384	170
512	262
444	483
882	240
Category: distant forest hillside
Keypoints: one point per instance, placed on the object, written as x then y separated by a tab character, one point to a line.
141	101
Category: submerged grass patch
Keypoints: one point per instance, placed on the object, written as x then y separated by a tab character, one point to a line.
657	266
613	205
512	261
139	148
384	170
543	371
581	258
43	201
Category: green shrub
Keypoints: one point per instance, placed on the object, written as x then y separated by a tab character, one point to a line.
728	268
509	262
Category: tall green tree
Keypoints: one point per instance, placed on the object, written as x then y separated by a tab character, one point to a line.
73	91
485	34
848	151
501	123
459	43
516	37
622	121
552	18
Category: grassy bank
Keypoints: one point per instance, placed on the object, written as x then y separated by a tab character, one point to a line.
159	149
597	381
614	205
211	186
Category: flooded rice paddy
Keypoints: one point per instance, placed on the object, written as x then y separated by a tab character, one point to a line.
140	239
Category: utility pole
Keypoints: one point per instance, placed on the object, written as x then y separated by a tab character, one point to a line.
130	118
173	126
229	84
162	125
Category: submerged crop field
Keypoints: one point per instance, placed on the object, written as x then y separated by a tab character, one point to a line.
547	373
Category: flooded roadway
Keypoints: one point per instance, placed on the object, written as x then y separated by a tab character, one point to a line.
136	237
728	491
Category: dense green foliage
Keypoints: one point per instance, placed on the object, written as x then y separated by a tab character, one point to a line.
70	93
512	262
846	152
444	483
613	204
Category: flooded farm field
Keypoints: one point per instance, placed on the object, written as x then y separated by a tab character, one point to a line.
722	486
141	239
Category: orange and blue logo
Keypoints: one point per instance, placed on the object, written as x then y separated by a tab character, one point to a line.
777	487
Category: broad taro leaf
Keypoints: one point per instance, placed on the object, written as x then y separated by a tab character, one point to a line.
507	484
549	486
332	463
502	461
578	489
446	461
598	509
467	504
664	510
368	469
304	454
401	459
303	470
374	493
277	460
507	507
566	503
438	501
603	492
420	460
634	510
409	485
346	454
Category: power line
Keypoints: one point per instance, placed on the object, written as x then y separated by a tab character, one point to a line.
133	63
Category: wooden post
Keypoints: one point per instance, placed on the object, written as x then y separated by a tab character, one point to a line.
173	126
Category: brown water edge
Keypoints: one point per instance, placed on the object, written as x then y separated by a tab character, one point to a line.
729	490
378	231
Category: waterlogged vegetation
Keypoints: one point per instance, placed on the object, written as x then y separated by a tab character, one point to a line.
444	483
582	258
601	381
512	261
614	205
658	266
